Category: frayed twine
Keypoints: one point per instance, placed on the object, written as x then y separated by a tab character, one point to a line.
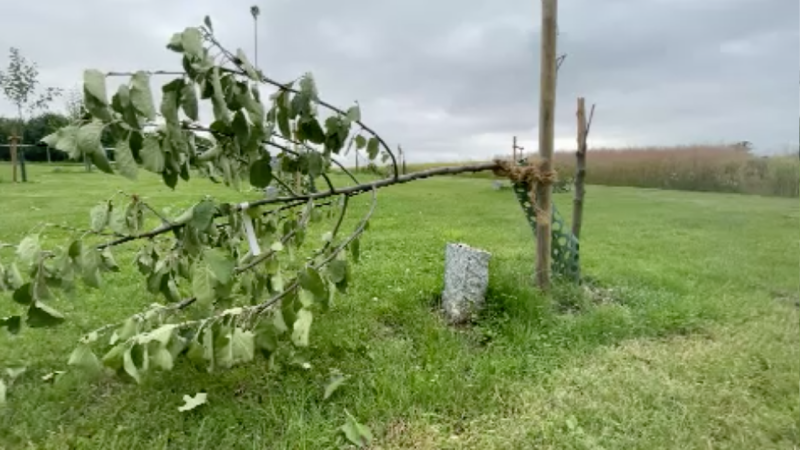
530	173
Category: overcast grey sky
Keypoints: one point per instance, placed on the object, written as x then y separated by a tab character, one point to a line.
457	79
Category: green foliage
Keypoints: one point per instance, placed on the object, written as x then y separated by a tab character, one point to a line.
220	299
356	433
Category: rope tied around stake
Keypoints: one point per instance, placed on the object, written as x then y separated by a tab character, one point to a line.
531	174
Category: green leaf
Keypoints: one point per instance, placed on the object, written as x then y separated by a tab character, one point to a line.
277	282
355	249
337	270
41	315
121	103
107	260
207	21
136	141
126	331
241	128
248	68
310	129
174	43
356	433
189	101
94	82
29	248
162	358
84	358
192	41
129	365
218	103
283	123
100	160
302	327
124	158
169	100
170	178
266	336
220	265
52	138
23	295
311	281
142	96
261	173
152	155
333	384
203	214
242	345
190	403
354	113
113	359
89	144
203	283
12	277
75	249
315	164
162	334
361	142
373	147
117	222
68	141
12	323
99	215
3	391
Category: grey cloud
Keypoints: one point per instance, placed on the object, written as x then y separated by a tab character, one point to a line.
455	80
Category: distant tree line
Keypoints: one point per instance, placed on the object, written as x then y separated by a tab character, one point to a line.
33	130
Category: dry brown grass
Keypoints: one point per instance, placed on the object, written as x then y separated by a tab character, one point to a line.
721	168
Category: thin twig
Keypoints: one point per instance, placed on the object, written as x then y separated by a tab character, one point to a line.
560	60
589	122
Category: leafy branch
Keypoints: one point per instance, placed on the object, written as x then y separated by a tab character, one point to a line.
235	278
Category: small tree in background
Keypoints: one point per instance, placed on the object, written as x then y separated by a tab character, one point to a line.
19	83
74	106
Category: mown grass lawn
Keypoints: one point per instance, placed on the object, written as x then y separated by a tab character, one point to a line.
697	345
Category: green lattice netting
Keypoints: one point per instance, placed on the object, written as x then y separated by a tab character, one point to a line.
565	247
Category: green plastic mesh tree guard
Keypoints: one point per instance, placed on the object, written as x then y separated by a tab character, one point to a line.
565	247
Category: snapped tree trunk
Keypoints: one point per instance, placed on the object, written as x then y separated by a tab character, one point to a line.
580	171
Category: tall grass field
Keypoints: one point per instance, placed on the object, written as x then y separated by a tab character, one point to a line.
689	338
698	168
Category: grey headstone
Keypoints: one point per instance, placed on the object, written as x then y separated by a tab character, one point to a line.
466	279
497	185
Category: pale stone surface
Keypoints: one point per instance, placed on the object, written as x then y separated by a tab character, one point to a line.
466	279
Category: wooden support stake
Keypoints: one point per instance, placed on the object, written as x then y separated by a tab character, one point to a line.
402	159
547	106
580	170
14	140
514	150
